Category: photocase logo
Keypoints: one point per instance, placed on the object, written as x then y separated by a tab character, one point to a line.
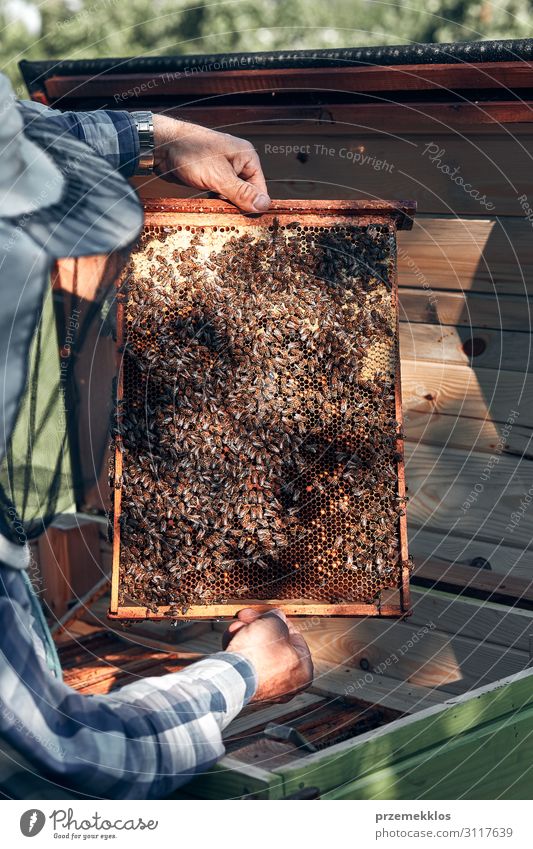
32	822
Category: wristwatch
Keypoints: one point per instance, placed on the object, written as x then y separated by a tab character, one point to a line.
145	127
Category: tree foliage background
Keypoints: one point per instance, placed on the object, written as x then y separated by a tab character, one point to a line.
49	29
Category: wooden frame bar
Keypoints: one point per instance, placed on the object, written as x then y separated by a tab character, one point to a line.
158	212
355	78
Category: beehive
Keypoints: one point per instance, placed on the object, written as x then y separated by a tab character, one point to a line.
258	445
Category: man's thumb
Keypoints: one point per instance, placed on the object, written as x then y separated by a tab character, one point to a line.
246	196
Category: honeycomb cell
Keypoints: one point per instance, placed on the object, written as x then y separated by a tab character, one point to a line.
258	427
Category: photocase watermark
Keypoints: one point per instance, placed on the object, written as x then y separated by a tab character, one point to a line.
86	14
66	824
222	64
518	515
66	820
491	463
421	279
307	624
32	822
357	156
71	328
391	660
435	155
10	718
42	199
527	209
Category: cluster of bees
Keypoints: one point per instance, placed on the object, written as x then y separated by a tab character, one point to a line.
257	426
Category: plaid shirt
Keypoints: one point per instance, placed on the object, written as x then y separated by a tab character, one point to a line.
112	134
142	741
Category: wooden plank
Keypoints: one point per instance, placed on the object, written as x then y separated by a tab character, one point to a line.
459	615
466	433
87	277
448	548
77	629
329	118
496	169
480	584
493	762
240	78
466	309
232	779
257	716
229	610
468	493
333	681
461	390
481	254
476	346
421	655
69	559
409	736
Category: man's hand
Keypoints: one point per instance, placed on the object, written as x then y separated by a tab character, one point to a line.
209	160
276	650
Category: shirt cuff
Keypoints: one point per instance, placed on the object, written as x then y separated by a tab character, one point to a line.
232	676
128	141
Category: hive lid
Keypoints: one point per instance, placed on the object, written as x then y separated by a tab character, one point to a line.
399	68
460	85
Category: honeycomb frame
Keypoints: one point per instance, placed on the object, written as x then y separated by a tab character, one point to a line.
168	215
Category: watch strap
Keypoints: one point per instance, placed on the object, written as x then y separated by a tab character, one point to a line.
145	128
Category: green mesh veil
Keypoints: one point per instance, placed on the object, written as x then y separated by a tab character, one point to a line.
40	397
36	474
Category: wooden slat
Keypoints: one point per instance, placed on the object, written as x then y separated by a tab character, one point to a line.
233	779
357	78
409	736
480	254
491	762
517	592
448	548
461	390
466	433
255	717
466	309
441	482
498	171
332	680
481	348
328	119
456	614
69	560
403	651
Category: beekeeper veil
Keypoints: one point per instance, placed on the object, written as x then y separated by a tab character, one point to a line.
57	199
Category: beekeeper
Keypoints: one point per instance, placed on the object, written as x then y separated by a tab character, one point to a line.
63	194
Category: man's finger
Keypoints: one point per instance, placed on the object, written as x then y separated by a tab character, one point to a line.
243	194
276	612
230	632
248	614
251	171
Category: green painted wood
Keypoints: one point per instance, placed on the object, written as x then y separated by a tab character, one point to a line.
408	737
231	779
494	762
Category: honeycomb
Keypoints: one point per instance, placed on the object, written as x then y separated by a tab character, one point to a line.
257	426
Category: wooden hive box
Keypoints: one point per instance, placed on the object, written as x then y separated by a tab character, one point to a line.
452	128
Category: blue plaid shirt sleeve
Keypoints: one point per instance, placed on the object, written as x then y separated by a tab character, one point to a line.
142	741
111	133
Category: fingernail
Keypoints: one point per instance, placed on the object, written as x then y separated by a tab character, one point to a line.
261	203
